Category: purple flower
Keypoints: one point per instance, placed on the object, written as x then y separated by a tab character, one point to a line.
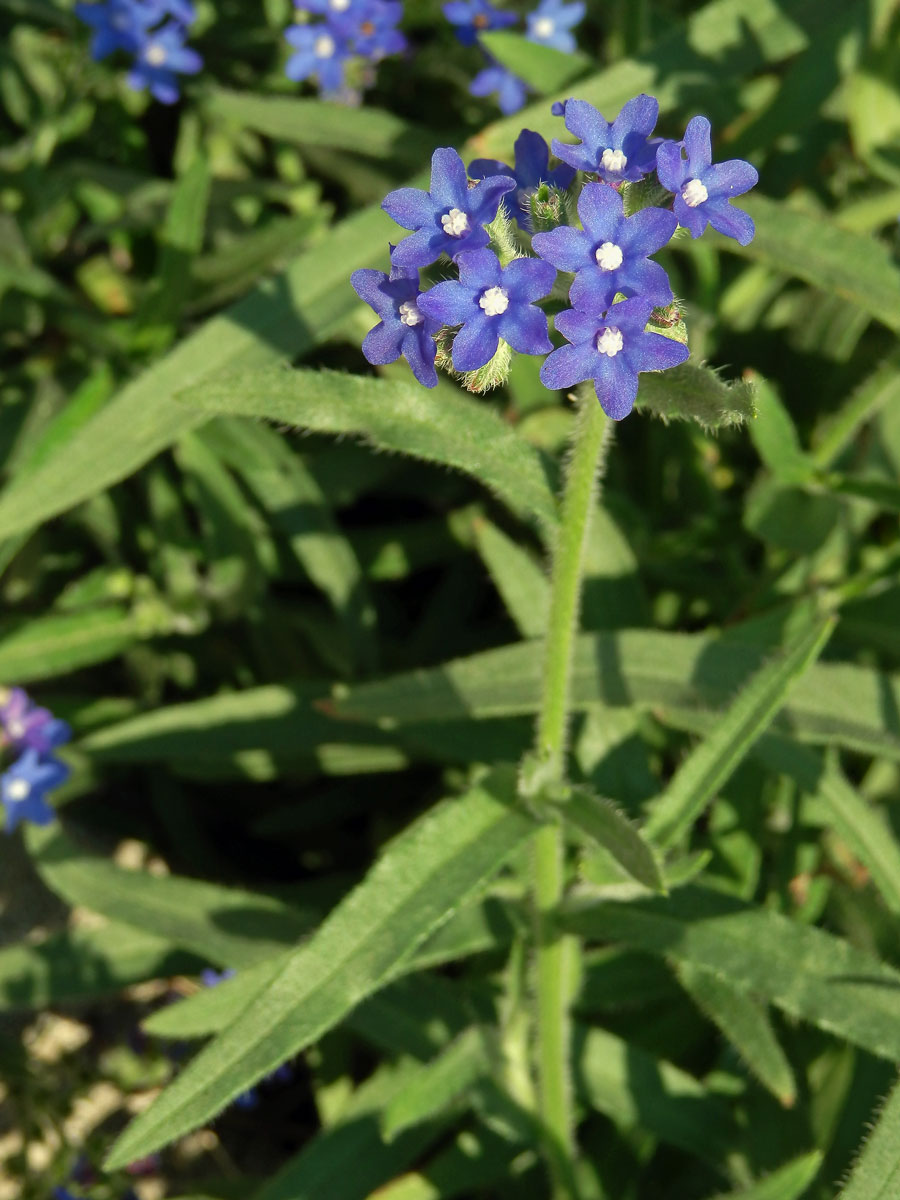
211	978
376	34
618	152
703	189
160	59
551	24
450	219
532	159
404	329
511	91
472	17
320	50
611	350
491	302
24	786
118	25
610	255
27	726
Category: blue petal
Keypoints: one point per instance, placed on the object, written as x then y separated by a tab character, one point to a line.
570	365
654	352
601	211
577	326
616	384
419	350
382	343
731	221
731	178
645	279
671	168
478	269
529	279
638	117
525	328
594	290
693	219
480	168
449	303
448	179
567	248
410	207
646	232
476	343
698	144
532	158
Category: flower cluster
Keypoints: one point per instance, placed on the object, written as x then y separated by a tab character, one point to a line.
154	33
550	24
33	734
622	318
344	37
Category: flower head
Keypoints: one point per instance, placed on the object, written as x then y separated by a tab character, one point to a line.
118	25
211	978
160	59
618	152
404	329
319	50
511	91
532	168
491	302
703	189
552	22
610	254
376	35
24	787
448	219
611	350
25	726
472	17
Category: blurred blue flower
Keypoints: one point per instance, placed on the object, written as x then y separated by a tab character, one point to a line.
404	330
448	219
532	167
118	25
25	725
703	189
472	17
491	302
161	58
511	91
24	787
610	254
376	35
611	350
211	978
551	24
319	50
618	152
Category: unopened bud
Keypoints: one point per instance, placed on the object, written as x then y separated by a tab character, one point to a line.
493	374
547	206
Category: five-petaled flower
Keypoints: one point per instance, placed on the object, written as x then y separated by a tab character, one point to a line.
450	218
703	189
24	787
404	329
319	50
26	726
610	254
472	17
620	152
160	59
511	91
552	22
491	302
611	350
117	25
532	167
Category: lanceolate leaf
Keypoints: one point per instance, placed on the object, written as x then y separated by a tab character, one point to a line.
543	68
59	643
876	1175
789	1182
440	1082
422	876
610	828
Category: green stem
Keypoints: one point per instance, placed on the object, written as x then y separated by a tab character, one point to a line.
556	953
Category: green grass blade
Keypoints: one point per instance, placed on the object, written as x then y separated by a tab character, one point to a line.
440	1083
522	585
716	758
608	826
789	1182
876	1175
44	647
425	874
775	437
876	392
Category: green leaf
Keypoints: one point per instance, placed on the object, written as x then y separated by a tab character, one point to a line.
475	1161
876	1175
876	392
440	426
805	972
543	68
880	491
715	759
522	585
789	1182
43	647
425	873
745	1022
693	392
232	927
775	437
608	826
440	1082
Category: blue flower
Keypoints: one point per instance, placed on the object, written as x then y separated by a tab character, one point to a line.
320	50
27	726
61	1193
376	34
118	25
610	254
511	91
449	219
611	350
551	24
618	152
491	302
472	17
703	189
160	59
404	329
211	978
24	786
532	159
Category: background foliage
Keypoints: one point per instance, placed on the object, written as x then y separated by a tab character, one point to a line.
293	613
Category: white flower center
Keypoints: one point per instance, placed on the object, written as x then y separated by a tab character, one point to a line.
155	54
339	5
323	46
544	27
16	729
694	193
610	342
18	790
613	160
609	257
494	301
455	222
409	313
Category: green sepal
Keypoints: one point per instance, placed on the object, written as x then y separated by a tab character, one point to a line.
645	193
547	206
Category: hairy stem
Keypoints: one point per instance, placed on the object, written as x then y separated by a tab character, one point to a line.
557	954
